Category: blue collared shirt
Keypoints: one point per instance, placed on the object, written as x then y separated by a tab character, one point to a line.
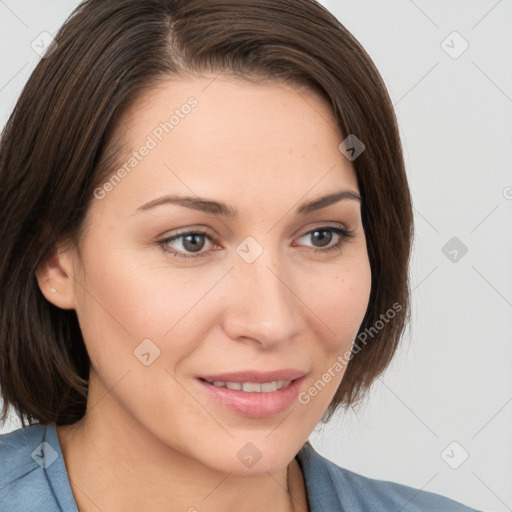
33	478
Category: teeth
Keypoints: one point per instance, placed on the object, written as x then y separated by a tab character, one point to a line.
253	387
266	387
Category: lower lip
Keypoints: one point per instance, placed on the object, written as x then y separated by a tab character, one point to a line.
255	405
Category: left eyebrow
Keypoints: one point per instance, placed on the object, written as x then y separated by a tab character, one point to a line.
325	201
218	208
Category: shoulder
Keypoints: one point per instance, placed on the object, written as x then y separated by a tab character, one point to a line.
16	452
329	485
25	455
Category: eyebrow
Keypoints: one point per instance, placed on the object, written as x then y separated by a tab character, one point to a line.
224	210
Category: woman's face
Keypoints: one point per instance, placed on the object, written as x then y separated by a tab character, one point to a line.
176	294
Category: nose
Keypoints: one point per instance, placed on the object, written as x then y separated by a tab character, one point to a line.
262	305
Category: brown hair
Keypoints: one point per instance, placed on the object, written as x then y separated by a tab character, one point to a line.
57	147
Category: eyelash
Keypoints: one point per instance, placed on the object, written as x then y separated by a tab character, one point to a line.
344	234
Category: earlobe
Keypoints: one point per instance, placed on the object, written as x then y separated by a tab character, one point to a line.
55	279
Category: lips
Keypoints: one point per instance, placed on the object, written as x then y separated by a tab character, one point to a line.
254	394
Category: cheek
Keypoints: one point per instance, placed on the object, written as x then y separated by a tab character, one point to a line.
122	306
339	298
125	300
117	308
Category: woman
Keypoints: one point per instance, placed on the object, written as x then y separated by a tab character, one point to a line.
204	208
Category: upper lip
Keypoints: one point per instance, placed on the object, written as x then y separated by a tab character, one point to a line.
255	376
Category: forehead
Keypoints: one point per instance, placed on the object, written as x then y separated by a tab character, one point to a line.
219	135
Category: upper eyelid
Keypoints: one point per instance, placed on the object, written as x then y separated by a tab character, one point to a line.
300	233
214	239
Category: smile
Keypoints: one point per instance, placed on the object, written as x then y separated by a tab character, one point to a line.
273	393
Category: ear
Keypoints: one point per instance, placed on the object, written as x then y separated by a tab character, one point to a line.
56	278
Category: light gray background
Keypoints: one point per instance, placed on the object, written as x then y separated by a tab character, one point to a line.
452	379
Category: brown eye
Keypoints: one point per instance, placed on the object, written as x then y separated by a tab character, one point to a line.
323	236
190	241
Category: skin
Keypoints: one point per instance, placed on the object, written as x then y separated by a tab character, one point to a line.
151	439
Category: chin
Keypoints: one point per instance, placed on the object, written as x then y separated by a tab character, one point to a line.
253	454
